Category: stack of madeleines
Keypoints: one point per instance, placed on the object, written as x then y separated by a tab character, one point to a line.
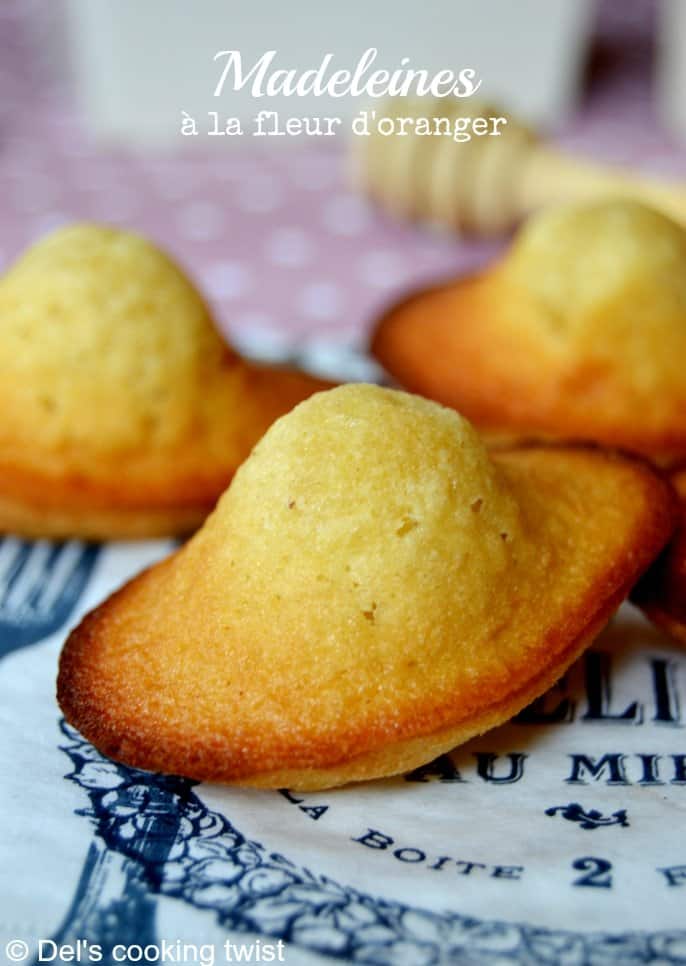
376	585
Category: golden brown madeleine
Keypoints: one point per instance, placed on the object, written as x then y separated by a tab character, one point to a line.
122	411
662	592
372	589
578	333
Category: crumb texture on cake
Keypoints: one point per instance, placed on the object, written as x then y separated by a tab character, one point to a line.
105	342
607	283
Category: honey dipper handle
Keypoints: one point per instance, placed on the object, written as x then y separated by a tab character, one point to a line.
548	177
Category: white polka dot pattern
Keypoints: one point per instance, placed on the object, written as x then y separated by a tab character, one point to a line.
289	258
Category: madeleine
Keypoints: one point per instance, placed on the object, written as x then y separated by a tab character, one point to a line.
372	589
123	412
578	333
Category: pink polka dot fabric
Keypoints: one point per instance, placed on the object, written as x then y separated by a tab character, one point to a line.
286	254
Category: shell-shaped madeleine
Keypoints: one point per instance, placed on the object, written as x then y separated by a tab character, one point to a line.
123	410
372	589
578	333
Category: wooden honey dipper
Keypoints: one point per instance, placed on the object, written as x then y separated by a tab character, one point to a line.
487	184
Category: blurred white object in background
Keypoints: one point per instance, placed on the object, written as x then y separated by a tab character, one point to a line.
671	66
137	66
